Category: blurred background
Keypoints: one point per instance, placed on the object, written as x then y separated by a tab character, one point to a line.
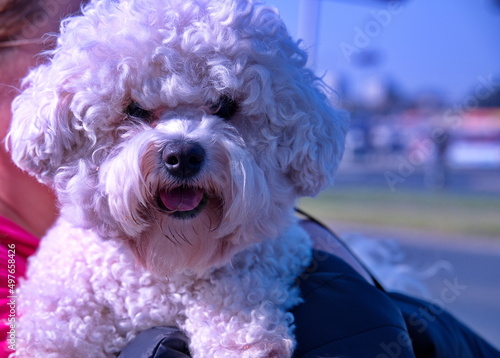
421	80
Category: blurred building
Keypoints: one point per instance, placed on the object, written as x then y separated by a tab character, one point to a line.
411	73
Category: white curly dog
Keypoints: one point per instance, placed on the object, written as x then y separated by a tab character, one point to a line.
178	135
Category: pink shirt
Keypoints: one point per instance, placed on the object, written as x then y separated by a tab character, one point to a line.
16	245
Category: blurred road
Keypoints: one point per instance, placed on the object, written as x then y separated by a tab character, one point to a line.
466	281
468	285
468	267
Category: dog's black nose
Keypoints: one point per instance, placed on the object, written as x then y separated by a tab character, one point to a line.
183	159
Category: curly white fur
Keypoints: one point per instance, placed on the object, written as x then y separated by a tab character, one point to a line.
118	261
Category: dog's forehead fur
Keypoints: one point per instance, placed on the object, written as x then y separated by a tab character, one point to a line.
172	52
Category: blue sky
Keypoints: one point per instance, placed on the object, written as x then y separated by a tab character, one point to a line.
423	45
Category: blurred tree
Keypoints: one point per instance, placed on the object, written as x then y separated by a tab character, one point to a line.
492	100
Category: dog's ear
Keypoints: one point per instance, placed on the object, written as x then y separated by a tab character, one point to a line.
315	144
39	135
309	132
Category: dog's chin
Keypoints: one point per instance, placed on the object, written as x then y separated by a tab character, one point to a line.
186	235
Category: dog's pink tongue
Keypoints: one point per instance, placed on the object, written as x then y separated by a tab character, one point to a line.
182	199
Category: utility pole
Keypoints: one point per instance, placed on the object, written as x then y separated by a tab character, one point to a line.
309	11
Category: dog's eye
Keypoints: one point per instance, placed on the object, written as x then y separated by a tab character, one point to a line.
134	110
225	108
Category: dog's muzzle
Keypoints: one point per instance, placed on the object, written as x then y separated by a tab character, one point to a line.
183	160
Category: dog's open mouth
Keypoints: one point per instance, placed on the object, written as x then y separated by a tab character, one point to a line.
183	202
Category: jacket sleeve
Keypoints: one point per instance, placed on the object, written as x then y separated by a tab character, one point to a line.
345	316
437	334
158	342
